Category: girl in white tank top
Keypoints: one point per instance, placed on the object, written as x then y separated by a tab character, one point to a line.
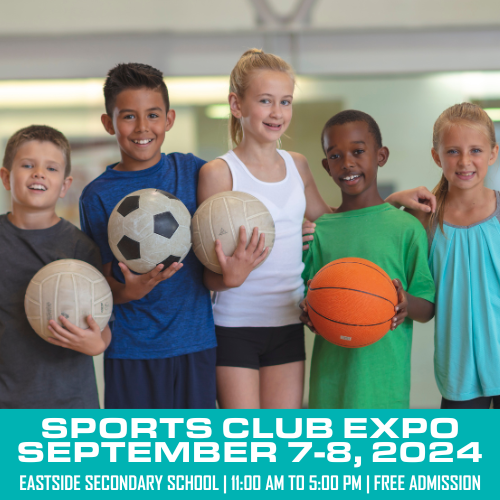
260	357
271	294
260	337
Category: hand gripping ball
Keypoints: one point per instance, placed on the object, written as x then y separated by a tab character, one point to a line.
351	302
70	288
220	218
149	227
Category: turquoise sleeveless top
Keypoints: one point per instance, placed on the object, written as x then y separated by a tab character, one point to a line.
465	264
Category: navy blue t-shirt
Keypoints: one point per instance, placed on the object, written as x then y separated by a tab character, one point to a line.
175	318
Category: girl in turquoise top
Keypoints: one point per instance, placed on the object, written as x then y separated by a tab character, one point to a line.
464	258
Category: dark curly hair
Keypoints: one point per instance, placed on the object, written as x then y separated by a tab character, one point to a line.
349	116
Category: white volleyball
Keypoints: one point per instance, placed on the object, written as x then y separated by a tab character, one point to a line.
149	227
70	288
220	218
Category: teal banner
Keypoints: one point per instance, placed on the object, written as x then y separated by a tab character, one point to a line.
240	454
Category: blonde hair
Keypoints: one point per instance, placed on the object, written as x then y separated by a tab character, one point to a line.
252	60
470	115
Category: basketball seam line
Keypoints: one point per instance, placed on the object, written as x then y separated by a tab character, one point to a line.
341	323
352	290
360	264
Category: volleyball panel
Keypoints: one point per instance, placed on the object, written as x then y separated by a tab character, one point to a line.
220	217
69	288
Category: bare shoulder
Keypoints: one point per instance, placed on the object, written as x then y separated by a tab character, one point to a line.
217	168
300	160
214	177
302	166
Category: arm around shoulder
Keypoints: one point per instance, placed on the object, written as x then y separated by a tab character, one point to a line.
422	217
417	199
315	205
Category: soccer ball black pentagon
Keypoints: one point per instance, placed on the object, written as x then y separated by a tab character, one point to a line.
149	227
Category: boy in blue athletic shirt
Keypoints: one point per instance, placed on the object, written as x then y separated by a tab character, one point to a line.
162	354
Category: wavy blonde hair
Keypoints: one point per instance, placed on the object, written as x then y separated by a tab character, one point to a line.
252	60
469	115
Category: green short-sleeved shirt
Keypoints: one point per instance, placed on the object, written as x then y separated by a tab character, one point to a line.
378	375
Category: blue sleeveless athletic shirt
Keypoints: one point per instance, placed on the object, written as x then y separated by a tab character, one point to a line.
465	264
175	317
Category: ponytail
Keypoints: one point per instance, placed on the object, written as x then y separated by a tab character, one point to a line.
440	192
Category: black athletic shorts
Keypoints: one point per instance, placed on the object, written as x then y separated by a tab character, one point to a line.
253	347
482	403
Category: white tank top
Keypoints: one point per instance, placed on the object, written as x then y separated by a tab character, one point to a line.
271	294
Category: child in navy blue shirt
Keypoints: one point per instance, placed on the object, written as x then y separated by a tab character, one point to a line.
162	354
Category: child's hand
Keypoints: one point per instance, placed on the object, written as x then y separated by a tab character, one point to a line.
236	268
419	198
70	336
402	306
307	233
138	286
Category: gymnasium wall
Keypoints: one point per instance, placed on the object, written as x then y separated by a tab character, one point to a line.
402	62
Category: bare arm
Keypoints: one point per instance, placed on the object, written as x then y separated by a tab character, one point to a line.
315	205
418	199
136	286
420	310
415	308
215	177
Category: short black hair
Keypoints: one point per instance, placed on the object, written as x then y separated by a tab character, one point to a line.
132	76
352	115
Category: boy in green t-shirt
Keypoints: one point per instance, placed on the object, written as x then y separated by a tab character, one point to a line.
378	375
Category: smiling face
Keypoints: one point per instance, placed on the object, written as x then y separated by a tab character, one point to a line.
352	157
464	153
265	110
36	178
139	121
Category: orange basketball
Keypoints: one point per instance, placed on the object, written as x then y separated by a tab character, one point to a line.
351	302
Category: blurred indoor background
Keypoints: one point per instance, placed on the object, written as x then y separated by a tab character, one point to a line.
402	61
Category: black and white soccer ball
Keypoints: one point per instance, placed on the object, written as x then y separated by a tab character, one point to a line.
149	227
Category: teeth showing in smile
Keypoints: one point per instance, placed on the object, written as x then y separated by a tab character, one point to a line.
143	141
273	125
351	178
37	187
465	174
